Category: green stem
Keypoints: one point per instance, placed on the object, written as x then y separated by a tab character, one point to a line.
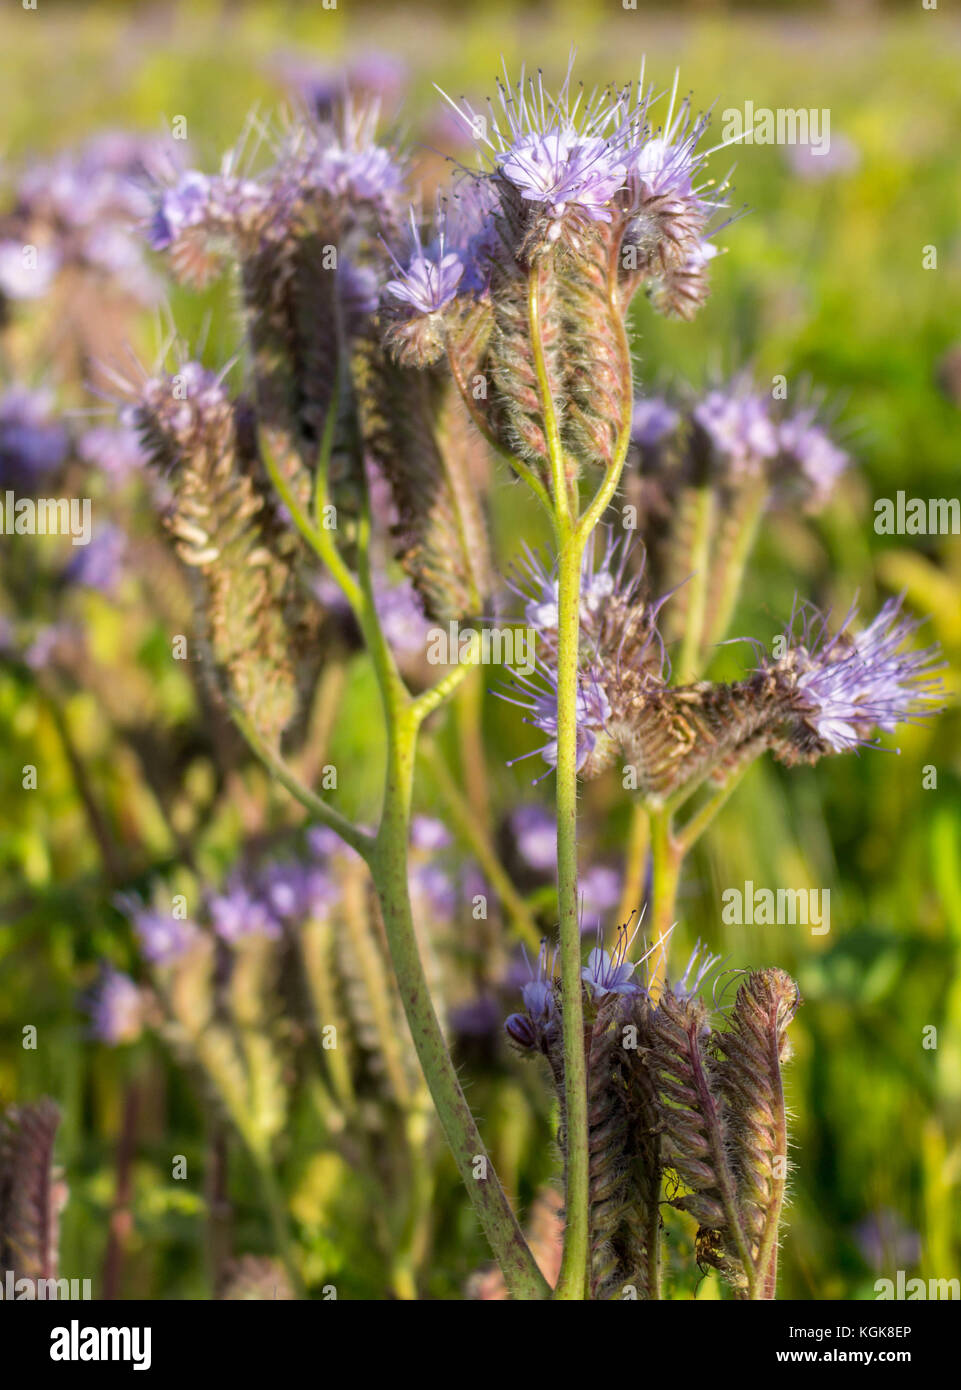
572	1283
348	832
389	869
279	1224
689	661
748	512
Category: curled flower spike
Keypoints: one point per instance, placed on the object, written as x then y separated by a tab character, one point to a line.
842	687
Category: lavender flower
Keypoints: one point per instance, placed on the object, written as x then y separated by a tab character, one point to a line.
185	204
538	992
116	1008
528	1029
113	448
538	695
651	420
699	965
20	281
600	889
739	426
567	156
431	277
238	913
428	833
845	685
534	832
806	446
32	442
99	565
163	938
609	972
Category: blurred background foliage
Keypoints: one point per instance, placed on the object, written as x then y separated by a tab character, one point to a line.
822	280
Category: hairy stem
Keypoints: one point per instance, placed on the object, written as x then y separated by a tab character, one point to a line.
572	1283
389	868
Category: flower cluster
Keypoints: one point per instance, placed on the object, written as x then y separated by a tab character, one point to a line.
739	437
80	212
685	1105
842	686
582	202
826	694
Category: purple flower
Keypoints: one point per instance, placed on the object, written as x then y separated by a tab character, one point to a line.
558	168
431	278
428	833
839	156
475	1018
652	419
113	448
99	565
32	443
847	684
609	972
238	913
116	1007
163	938
567	156
739	425
807	445
538	695
183	205
538	992
401	617
435	890
19	281
887	1242
600	889
534	832
700	964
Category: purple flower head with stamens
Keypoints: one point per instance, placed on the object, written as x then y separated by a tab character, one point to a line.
528	1029
538	992
699	965
560	152
538	695
609	972
845	685
184	204
431	277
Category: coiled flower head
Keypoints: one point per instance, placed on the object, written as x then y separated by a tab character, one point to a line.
840	687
